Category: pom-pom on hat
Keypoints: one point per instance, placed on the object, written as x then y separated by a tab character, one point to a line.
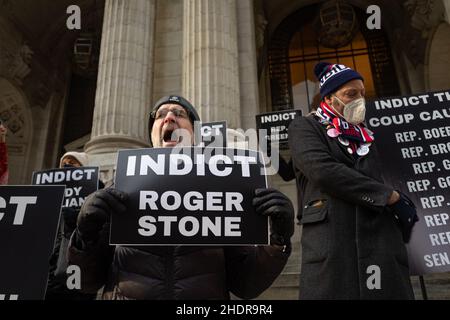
333	76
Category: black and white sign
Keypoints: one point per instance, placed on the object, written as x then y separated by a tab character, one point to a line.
29	217
200	196
413	138
276	125
211	134
80	182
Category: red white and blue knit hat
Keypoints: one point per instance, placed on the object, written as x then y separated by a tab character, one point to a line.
333	76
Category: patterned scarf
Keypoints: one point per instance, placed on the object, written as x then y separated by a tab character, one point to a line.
357	137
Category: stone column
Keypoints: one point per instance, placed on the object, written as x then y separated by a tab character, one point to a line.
124	84
249	94
447	10
210	59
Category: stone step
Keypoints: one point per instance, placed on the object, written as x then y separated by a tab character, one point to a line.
437	286
286	285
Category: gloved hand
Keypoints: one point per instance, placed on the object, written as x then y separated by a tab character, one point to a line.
96	212
405	212
271	202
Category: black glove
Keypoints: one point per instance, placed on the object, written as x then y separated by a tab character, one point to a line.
405	212
271	202
96	212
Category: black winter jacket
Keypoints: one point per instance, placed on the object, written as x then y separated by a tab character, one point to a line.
176	272
57	277
346	227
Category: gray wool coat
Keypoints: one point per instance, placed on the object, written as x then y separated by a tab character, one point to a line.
349	231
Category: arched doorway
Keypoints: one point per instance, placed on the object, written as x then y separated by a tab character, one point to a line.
297	45
16	116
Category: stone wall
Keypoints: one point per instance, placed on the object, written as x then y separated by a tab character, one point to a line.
439	59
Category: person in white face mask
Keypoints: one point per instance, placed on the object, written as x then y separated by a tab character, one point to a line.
354	111
354	226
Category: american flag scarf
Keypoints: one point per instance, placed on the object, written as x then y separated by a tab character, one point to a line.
356	135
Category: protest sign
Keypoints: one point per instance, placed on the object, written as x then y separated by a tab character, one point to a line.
211	134
276	126
199	196
29	217
80	182
413	138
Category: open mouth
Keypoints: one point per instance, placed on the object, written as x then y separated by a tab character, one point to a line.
170	136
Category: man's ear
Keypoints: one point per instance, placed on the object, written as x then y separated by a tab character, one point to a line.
328	100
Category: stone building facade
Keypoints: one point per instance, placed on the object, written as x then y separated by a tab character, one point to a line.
92	88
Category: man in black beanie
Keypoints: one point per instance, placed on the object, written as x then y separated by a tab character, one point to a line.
176	272
165	134
354	226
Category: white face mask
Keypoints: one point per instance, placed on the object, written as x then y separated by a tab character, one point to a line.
354	111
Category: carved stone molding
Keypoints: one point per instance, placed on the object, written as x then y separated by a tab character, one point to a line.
12	112
411	38
6	5
424	14
15	63
21	64
16	67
